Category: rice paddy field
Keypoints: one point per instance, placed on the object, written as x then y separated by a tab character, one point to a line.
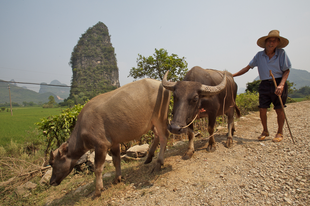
15	127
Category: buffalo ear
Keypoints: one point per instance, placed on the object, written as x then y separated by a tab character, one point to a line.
51	156
59	153
63	149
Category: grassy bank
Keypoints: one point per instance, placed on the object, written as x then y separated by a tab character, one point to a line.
15	127
300	99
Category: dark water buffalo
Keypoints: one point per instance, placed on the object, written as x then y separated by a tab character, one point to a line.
205	93
112	118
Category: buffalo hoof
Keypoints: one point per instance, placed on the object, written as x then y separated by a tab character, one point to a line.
229	143
117	180
211	148
157	168
97	194
187	155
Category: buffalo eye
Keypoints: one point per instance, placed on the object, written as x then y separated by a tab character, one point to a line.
195	99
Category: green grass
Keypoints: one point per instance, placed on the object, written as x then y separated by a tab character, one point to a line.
24	118
299	99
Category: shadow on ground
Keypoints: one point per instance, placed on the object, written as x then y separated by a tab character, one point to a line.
139	175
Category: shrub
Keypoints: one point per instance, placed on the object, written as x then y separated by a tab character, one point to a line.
57	129
247	102
290	100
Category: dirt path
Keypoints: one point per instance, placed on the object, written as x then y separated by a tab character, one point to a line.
251	173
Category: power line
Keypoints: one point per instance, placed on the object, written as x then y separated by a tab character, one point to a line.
54	85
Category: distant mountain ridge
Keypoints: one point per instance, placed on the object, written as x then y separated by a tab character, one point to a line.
20	95
300	77
61	92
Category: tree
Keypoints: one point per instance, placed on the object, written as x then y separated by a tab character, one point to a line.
252	86
291	87
157	65
28	104
50	103
301	93
305	90
51	100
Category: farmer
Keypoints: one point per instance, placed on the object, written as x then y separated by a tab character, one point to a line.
273	58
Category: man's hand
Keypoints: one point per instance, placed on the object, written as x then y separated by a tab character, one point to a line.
279	90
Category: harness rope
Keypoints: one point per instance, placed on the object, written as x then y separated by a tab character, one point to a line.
201	110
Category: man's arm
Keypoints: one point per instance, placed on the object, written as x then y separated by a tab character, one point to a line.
242	71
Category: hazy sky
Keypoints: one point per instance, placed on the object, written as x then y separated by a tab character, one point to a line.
37	37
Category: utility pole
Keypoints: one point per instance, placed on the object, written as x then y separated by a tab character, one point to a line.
10	100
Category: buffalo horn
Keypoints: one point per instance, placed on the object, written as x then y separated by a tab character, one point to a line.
166	84
213	90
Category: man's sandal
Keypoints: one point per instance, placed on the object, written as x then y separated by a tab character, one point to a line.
278	138
263	136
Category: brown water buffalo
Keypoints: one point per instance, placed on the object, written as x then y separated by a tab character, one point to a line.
112	118
205	93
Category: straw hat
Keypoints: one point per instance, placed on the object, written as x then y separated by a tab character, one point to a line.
274	33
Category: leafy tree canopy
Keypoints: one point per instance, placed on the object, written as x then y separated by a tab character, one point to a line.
291	87
157	65
301	93
51	100
252	86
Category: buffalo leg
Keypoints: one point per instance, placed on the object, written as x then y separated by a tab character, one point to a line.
100	155
211	147
163	135
231	126
233	129
153	147
190	150
116	157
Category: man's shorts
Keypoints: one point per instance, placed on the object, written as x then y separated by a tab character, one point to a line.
267	96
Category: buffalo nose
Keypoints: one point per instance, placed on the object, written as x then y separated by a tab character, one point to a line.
53	182
175	129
